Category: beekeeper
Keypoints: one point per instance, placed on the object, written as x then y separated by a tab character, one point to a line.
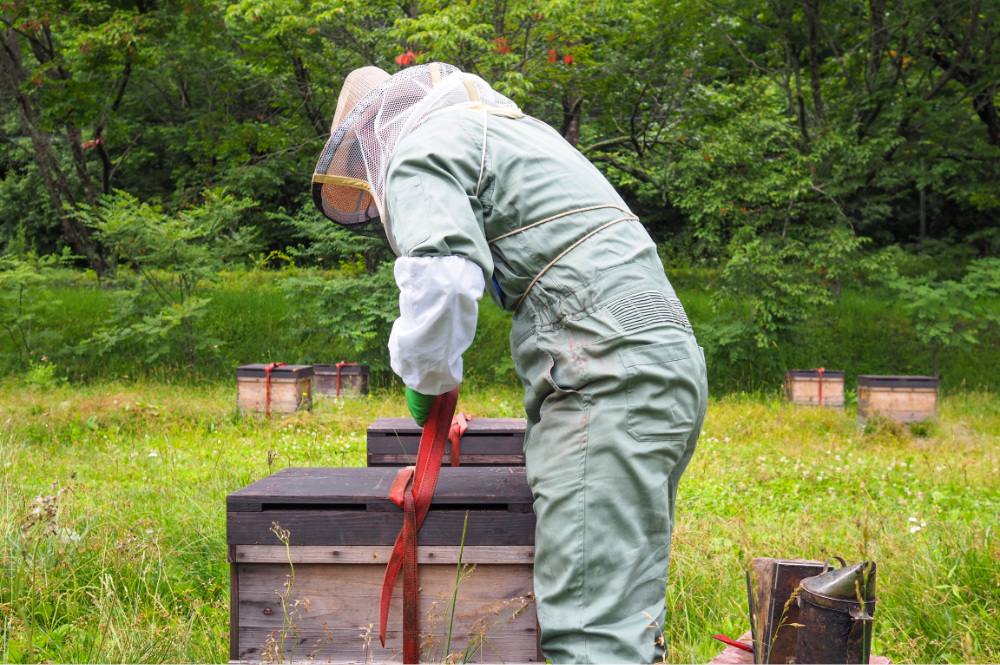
473	195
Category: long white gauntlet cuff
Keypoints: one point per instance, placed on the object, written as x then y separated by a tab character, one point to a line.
438	309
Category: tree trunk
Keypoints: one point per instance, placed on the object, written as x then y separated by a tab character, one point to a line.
13	79
571	119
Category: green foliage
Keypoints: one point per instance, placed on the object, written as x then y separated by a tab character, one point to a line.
174	258
42	374
26	297
327	244
356	308
951	314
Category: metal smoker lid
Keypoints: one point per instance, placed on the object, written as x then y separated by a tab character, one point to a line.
843	583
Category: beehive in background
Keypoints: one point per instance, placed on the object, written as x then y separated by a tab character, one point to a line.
289	388
342	527
905	399
341	380
803	386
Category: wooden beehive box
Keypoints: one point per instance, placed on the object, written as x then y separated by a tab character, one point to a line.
342	527
290	388
803	386
352	381
905	399
487	442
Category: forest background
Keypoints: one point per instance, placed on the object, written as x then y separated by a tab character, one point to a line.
821	178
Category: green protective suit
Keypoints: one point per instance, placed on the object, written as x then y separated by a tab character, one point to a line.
615	384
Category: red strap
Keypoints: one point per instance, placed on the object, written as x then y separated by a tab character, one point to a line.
411	596
424	479
338	366
733	643
400	484
458	427
820	370
267	373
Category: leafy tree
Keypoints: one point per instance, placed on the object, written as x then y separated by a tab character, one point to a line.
66	68
326	244
175	257
950	314
355	308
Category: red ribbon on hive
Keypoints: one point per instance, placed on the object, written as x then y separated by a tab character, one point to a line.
339	365
267	373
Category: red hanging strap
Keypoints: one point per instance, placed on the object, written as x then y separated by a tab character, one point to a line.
267	373
338	366
458	427
415	485
820	370
411	593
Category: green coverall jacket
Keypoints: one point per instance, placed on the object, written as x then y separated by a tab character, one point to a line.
615	384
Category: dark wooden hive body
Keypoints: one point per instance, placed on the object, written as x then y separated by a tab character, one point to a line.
342	527
353	380
488	442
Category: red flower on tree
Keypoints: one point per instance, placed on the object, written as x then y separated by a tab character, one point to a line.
568	59
552	55
501	45
405	59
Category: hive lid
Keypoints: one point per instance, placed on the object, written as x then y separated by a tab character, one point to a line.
344	369
814	373
259	371
322	488
889	381
477	427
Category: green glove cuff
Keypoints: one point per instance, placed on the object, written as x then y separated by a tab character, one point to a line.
419	404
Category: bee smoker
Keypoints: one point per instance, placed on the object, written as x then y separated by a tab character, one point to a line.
837	612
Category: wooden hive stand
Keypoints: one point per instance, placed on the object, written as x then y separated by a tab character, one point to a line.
905	399
347	380
290	388
487	442
342	527
804	387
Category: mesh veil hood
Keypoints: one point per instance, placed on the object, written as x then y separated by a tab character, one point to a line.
349	180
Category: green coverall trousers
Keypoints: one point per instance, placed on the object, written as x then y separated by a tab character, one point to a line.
614	407
615	387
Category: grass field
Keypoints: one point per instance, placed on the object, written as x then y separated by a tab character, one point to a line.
125	559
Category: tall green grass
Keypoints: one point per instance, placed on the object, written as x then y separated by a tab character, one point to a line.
860	333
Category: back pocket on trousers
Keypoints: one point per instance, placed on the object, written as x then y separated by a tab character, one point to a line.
663	382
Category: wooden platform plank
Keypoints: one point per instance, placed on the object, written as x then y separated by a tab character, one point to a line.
344	486
343	598
364	555
362	528
478	445
468	460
